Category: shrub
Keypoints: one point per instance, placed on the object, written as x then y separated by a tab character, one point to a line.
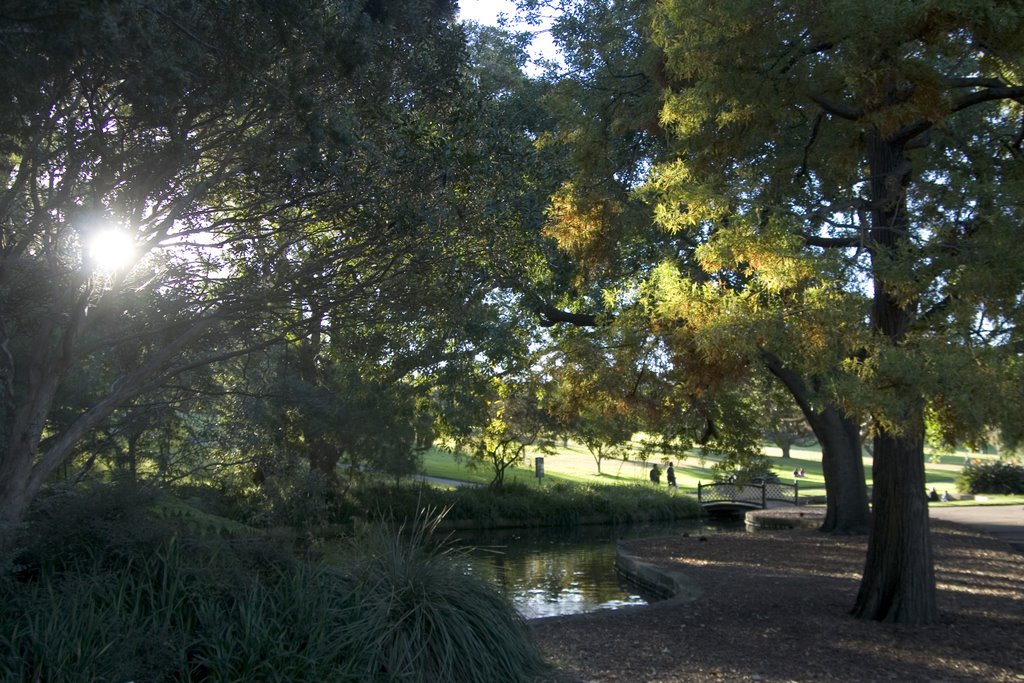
297	500
565	504
993	476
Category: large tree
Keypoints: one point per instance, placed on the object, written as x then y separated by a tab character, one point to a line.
608	106
268	161
860	161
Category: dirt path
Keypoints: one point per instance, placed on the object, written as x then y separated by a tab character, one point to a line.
773	607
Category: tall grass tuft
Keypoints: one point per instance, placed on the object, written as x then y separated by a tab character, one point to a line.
99	623
421	618
285	624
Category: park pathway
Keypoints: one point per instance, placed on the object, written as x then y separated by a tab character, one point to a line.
1005	522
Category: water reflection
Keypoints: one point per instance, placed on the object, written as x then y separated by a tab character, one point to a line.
548	572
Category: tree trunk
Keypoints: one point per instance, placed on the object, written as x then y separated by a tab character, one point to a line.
133	456
899	578
846	496
15	493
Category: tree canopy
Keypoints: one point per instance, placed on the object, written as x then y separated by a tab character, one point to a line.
269	163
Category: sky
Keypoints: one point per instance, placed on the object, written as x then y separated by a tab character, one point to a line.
487	11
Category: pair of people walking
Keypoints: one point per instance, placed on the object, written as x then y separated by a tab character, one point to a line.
670	475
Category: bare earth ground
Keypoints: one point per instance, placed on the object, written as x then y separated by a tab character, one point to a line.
773	607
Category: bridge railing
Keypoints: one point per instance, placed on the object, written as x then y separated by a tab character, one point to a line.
758	494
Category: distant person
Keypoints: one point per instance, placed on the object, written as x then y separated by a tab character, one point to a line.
655	475
933	495
670	476
945	497
801	473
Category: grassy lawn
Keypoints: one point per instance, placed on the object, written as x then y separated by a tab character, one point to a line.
574	463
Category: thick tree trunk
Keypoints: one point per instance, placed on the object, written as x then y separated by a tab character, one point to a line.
846	496
899	579
15	493
899	576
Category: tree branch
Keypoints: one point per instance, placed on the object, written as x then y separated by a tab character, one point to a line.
975	83
987	95
793	382
551	316
818	118
907	133
993	90
843	111
832	242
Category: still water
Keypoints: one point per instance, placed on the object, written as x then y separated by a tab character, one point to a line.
549	572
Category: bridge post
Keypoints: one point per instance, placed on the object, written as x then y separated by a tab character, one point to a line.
796	492
699	485
764	496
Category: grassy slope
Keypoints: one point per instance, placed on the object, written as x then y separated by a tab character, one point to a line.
575	464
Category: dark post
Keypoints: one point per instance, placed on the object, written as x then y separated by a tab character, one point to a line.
699	485
796	492
764	496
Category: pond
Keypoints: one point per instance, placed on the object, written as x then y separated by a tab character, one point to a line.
558	571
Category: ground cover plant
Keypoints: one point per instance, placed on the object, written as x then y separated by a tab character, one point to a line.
98	586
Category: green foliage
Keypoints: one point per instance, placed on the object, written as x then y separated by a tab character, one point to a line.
771	109
992	476
746	469
506	420
301	498
587	396
305	402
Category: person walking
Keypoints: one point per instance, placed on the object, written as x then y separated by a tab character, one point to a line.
655	475
670	476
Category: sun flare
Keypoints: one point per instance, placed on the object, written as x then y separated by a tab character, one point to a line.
111	249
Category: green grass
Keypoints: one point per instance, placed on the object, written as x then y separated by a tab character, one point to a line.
575	464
